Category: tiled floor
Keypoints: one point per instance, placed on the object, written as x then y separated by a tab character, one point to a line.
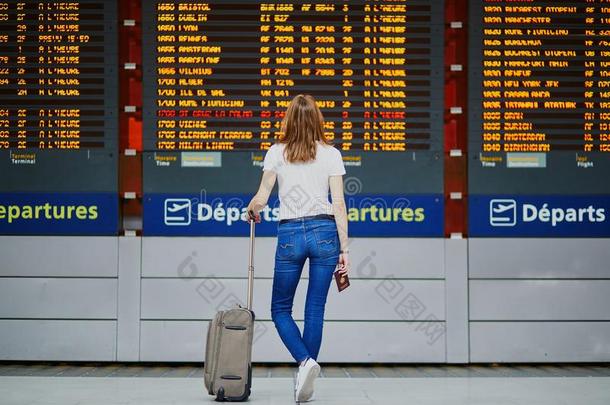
152	384
60	369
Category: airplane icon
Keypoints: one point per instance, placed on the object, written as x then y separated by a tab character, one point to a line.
503	212
177	211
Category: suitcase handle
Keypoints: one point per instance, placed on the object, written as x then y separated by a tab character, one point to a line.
251	263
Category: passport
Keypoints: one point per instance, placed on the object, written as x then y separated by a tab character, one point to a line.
342	280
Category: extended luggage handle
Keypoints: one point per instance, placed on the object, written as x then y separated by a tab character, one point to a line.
251	263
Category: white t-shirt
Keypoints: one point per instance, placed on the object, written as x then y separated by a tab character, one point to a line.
303	187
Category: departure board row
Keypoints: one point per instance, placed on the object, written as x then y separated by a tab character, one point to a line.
58	86
219	75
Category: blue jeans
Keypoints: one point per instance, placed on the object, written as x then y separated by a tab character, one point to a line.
318	240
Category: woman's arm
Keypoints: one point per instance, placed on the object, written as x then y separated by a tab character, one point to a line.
340	211
261	197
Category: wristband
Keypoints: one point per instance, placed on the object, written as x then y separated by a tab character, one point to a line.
343	251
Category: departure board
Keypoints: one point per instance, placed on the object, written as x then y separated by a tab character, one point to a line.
58	117
219	75
539	90
58	86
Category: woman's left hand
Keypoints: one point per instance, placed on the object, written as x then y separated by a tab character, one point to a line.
343	264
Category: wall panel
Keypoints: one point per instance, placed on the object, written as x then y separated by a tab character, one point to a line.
65	340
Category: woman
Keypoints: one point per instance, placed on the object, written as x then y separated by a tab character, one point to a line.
306	165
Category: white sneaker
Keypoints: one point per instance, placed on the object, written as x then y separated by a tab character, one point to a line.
305	378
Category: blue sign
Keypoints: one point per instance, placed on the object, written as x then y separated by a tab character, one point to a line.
547	216
59	213
225	215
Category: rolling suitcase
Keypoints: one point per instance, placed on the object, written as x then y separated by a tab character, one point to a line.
228	368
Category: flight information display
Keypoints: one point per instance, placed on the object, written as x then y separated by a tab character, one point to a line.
58	114
218	77
224	73
58	87
539	124
540	94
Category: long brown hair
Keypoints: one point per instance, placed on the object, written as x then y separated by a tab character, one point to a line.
302	127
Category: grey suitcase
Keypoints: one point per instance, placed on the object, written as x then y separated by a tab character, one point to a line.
228	369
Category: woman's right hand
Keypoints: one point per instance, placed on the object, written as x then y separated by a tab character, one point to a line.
253	212
343	263
254	216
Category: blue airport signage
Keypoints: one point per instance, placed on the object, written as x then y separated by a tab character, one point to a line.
59	213
225	215
539	216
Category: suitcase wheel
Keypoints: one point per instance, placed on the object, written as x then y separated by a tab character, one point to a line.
220	394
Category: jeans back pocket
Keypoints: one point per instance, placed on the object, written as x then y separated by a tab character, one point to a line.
285	245
327	241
